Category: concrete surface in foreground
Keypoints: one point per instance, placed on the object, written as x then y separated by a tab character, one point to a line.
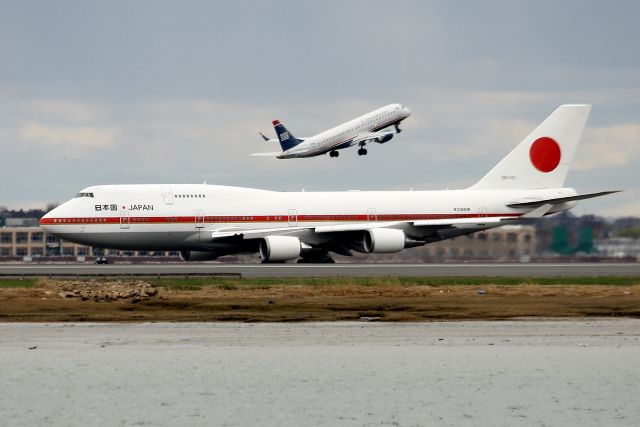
544	372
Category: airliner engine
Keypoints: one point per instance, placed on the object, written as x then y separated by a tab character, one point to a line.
384	139
280	248
383	240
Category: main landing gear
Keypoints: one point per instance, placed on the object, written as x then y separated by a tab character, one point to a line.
333	153
362	151
316	257
324	260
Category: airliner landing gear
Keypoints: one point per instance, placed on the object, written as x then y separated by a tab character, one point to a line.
362	152
100	256
398	130
316	258
333	153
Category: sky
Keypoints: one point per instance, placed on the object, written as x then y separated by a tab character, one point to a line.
175	91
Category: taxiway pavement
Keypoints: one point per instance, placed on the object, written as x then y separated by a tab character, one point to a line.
324	270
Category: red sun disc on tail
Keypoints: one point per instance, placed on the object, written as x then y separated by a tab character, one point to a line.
545	154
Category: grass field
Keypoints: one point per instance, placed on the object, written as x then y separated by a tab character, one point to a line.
326	299
193	283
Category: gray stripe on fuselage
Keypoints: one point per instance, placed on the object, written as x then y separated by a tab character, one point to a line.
151	241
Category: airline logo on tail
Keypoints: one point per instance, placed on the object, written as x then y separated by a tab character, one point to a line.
543	158
545	154
287	140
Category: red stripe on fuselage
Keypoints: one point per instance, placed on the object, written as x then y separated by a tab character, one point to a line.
262	218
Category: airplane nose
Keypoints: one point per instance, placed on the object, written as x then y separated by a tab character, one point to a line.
46	221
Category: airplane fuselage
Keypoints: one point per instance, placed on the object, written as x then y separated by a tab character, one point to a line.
188	217
345	135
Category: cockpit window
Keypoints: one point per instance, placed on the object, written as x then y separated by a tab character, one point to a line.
83	195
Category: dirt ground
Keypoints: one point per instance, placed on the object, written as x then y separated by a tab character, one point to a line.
51	301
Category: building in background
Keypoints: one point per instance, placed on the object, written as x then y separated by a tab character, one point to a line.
562	237
31	243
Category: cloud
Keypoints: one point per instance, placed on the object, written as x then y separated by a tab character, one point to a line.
608	147
68	136
67	110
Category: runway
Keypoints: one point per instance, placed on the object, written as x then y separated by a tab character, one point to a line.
323	270
507	373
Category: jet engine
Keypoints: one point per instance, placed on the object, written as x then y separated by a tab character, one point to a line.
383	240
384	139
280	248
197	256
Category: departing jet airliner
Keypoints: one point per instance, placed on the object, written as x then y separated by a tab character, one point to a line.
204	222
372	127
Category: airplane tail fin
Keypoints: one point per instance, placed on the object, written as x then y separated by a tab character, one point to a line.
543	158
286	138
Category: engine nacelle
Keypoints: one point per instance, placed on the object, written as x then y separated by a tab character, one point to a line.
383	240
197	256
280	248
384	139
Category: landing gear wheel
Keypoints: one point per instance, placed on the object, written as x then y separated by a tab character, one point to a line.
333	154
362	152
322	258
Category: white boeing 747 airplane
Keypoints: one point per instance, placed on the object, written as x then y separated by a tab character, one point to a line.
372	127
204	222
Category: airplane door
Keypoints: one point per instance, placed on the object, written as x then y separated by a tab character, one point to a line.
124	220
482	212
199	219
167	195
371	214
292	218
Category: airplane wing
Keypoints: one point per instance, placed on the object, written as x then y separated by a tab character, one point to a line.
254	233
381	136
348	237
460	223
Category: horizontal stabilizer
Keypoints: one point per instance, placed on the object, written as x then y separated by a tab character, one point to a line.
266	154
538	212
556	201
266	139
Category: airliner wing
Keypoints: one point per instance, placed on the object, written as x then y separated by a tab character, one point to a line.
457	223
372	136
481	222
255	233
354	227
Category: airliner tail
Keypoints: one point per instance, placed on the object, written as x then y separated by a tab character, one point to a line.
543	158
286	138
